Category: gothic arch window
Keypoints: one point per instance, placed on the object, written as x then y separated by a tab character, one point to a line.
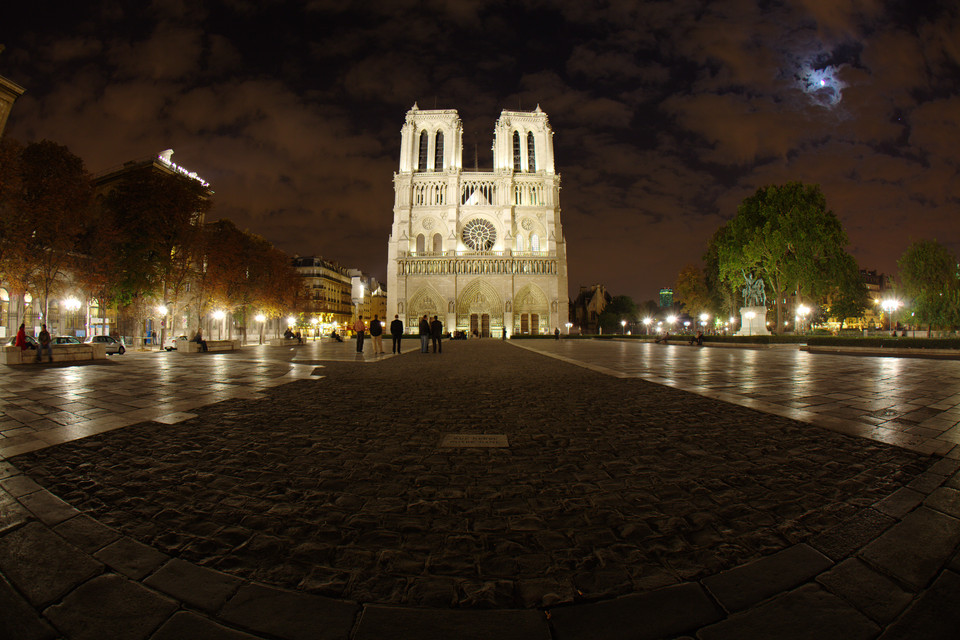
531	153
534	242
424	142
516	151
438	153
421	242
437	243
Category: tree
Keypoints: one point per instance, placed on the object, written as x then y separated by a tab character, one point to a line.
723	294
691	290
55	198
620	308
928	272
785	234
850	298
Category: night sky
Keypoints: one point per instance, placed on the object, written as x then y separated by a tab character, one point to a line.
666	114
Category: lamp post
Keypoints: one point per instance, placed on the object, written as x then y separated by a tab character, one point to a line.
801	318
261	319
703	319
219	315
71	305
623	327
568	325
890	305
646	325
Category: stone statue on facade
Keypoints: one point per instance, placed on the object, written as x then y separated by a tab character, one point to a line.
754	293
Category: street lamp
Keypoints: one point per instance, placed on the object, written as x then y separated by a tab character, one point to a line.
219	315
646	324
71	304
568	325
623	327
802	312
890	305
703	319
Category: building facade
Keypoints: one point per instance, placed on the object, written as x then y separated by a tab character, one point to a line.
328	290
483	250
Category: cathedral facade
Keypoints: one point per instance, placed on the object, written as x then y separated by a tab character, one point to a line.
483	250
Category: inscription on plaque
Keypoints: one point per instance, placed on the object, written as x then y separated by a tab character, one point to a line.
474	440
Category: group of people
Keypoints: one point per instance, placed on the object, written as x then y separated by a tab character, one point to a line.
44	341
290	335
431	331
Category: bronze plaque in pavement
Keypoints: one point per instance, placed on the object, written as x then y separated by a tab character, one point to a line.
474	440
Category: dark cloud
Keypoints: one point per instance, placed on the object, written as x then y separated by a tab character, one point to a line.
666	114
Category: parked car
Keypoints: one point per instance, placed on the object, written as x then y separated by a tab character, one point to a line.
65	340
112	344
171	343
31	342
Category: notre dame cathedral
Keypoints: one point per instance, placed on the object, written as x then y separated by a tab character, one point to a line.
483	250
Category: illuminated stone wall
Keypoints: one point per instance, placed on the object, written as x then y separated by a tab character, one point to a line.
479	249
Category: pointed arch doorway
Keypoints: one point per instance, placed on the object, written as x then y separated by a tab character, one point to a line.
479	309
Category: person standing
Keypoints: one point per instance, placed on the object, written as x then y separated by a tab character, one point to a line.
376	332
359	328
424	334
44	340
396	331
436	330
21	340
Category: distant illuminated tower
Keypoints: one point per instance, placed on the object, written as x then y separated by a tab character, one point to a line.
666	298
483	250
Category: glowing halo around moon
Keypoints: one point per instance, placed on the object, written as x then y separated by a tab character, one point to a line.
821	85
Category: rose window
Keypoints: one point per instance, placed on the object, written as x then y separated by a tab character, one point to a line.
479	235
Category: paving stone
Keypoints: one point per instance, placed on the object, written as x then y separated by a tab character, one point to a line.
12	514
185	624
934	616
750	583
945	467
380	622
851	534
945	500
131	558
47	507
7	469
86	533
19	485
914	549
18	620
874	594
110	606
196	586
657	614
292	616
900	502
808	612
41	565
927	482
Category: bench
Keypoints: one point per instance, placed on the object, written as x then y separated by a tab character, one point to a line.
61	353
212	345
284	342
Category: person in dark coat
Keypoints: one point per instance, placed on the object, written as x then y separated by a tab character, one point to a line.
436	331
376	332
396	331
424	334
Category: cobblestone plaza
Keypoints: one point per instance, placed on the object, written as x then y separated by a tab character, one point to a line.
308	492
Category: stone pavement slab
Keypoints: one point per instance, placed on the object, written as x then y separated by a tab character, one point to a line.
662	613
293	616
871	592
199	587
379	623
748	584
18	620
914	549
41	565
110	606
808	612
934	616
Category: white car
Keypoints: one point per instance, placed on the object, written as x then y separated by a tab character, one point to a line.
112	344
171	343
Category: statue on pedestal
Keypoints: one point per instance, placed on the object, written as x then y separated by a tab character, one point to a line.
754	293
753	315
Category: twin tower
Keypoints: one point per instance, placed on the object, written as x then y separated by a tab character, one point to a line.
483	250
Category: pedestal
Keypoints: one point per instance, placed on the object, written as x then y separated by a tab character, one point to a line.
753	322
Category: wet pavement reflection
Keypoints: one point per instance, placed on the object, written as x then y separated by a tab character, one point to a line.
909	402
46	404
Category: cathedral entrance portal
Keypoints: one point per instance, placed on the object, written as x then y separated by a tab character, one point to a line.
480	324
479	309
